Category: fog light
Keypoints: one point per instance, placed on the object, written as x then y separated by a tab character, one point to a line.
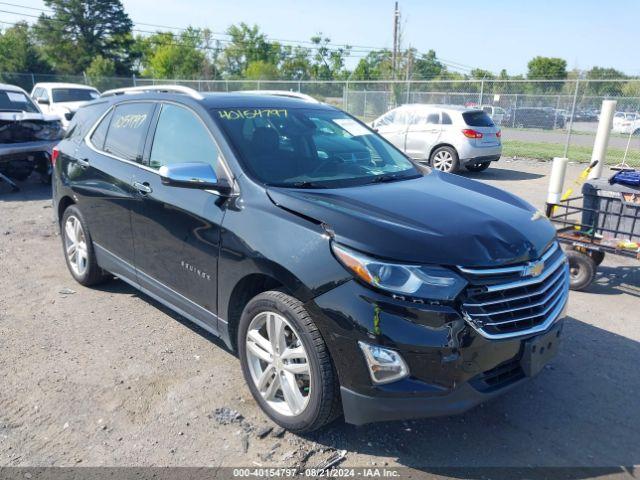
385	366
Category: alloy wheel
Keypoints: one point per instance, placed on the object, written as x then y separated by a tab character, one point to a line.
443	161
75	244
278	363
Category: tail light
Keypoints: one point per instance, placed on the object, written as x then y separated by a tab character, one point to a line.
499	133
55	153
470	133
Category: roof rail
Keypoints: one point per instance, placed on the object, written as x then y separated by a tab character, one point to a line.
155	88
281	93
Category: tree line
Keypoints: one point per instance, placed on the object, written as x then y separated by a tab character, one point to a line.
97	38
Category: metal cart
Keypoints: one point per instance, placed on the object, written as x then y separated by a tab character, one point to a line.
588	230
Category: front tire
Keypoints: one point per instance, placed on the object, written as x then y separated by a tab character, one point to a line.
477	167
445	159
78	249
286	363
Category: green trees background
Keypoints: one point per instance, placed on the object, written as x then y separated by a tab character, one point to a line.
96	38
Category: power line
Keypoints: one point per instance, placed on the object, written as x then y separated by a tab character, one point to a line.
331	47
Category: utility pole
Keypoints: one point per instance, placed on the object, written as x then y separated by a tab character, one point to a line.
394	57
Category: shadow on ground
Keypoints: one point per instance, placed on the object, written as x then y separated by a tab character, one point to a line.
501	174
581	411
616	280
29	190
118	286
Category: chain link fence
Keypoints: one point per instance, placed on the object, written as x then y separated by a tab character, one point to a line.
540	119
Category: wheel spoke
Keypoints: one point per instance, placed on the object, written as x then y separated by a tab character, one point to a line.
69	229
290	391
259	352
296	368
77	230
275	327
293	353
255	336
273	388
267	375
71	249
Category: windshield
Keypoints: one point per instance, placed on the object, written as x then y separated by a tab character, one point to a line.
16	102
73	95
310	148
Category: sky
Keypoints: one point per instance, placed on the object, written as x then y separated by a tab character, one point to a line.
491	35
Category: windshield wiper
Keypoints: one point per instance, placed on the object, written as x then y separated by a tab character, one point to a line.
307	184
388	177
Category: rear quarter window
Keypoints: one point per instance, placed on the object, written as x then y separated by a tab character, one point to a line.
477	119
83	120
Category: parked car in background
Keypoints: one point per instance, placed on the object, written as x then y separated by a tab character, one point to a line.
586	115
346	277
63	99
443	136
534	117
497	114
626	123
27	136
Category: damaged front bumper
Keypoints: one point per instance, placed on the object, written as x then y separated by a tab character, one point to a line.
452	367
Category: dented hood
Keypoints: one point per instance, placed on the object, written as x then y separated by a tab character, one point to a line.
436	219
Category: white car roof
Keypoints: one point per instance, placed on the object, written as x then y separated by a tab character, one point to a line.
428	106
12	88
64	85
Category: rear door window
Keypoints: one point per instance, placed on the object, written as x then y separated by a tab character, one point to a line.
127	130
433	118
446	119
477	118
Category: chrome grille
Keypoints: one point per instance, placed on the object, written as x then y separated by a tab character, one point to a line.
517	300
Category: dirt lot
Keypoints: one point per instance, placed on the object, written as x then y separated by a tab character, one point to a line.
107	376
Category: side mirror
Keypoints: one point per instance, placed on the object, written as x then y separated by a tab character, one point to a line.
193	175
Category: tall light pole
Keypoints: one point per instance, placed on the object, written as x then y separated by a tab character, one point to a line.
394	57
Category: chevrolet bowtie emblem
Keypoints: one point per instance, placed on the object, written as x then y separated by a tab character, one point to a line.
534	269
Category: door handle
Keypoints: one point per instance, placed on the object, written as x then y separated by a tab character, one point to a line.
143	188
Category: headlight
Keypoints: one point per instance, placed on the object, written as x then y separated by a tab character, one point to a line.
421	281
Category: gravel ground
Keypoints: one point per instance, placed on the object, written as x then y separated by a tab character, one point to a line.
107	376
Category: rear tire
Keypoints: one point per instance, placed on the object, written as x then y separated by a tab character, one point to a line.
268	364
582	270
77	248
477	167
445	159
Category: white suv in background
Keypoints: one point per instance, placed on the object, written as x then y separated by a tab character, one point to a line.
444	136
626	123
62	99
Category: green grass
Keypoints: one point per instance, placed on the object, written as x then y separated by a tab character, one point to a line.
577	153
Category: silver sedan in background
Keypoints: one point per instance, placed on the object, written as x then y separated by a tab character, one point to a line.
444	136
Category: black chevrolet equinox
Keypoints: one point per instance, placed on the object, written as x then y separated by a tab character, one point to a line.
347	278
